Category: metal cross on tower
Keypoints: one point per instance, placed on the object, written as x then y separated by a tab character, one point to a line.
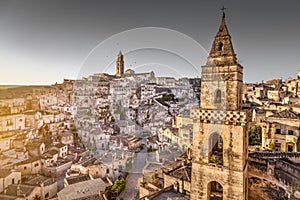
223	10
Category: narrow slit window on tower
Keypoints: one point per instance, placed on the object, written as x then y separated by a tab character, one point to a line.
218	96
220	48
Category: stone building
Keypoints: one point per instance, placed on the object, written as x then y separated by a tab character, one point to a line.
37	187
220	141
9	177
282	132
293	85
93	167
12	122
30	166
88	189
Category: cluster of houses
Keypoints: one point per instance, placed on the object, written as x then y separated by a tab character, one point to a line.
276	109
115	113
85	133
39	145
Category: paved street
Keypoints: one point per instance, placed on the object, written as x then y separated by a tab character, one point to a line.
132	181
60	182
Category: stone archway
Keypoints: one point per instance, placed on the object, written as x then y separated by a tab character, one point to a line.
215	191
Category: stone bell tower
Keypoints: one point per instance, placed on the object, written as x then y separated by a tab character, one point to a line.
120	65
220	140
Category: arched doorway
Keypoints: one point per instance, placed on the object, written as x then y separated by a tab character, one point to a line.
215	191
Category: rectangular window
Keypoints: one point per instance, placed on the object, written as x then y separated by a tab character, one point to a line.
290	132
278	131
9	123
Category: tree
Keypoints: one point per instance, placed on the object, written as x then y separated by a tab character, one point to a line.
255	135
118	187
154	177
143	183
271	146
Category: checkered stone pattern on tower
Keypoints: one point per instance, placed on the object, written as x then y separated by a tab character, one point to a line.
220	116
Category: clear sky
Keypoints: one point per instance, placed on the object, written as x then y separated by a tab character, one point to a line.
43	42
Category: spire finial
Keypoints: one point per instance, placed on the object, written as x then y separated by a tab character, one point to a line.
223	10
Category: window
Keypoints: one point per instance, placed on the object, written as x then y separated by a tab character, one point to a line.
9	123
220	48
13	181
290	132
290	148
278	131
218	96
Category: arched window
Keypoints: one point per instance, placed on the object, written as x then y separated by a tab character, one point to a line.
215	191
220	47
218	96
216	149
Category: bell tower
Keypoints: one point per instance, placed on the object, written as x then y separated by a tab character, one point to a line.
222	73
220	125
120	65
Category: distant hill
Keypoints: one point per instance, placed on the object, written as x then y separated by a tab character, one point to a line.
3	87
14	91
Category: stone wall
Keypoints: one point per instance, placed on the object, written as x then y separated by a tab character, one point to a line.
283	174
181	185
